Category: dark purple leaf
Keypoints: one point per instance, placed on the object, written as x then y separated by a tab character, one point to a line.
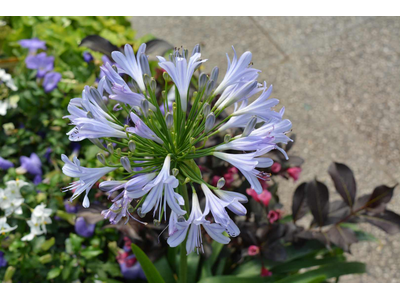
388	221
344	181
99	44
299	205
158	47
338	210
376	202
295	161
275	251
317	196
290	144
314	235
342	237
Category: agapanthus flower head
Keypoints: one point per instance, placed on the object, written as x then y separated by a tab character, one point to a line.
152	129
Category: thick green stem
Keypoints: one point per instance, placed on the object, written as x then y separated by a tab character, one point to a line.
183	256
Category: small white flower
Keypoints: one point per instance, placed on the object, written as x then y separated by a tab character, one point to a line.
4	227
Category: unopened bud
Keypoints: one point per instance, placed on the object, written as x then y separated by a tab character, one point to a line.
144	64
196	49
125	162
132	146
194	95
227	138
214	74
110	148
97	142
221	183
169	119
146	79
118	151
135	86
206	109
101	158
209	88
202	81
210	121
175	172
153	85
250	126
145	107
187	180
166	76
163	94
139	212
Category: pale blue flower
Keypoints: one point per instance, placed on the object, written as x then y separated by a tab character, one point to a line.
161	192
41	62
194	238
87	177
50	81
33	45
141	129
129	64
238	70
181	72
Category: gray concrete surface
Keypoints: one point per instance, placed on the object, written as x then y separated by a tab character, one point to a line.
339	79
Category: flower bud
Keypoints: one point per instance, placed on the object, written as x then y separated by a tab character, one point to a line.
135	86
101	158
125	162
144	64
153	85
202	81
146	79
206	109
209	88
227	138
169	119
196	49
132	146
166	76
118	151
214	74
139	212
250	126
210	121
145	107
175	172
221	183
96	142
110	148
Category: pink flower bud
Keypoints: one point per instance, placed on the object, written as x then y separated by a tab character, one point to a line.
265	272
276	167
253	250
294	172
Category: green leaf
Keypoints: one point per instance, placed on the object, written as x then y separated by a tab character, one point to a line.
48	244
152	274
235	279
329	271
90	252
165	270
53	273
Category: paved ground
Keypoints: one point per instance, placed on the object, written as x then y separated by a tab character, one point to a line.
339	79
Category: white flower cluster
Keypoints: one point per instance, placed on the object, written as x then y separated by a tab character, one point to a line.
9	84
11	201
